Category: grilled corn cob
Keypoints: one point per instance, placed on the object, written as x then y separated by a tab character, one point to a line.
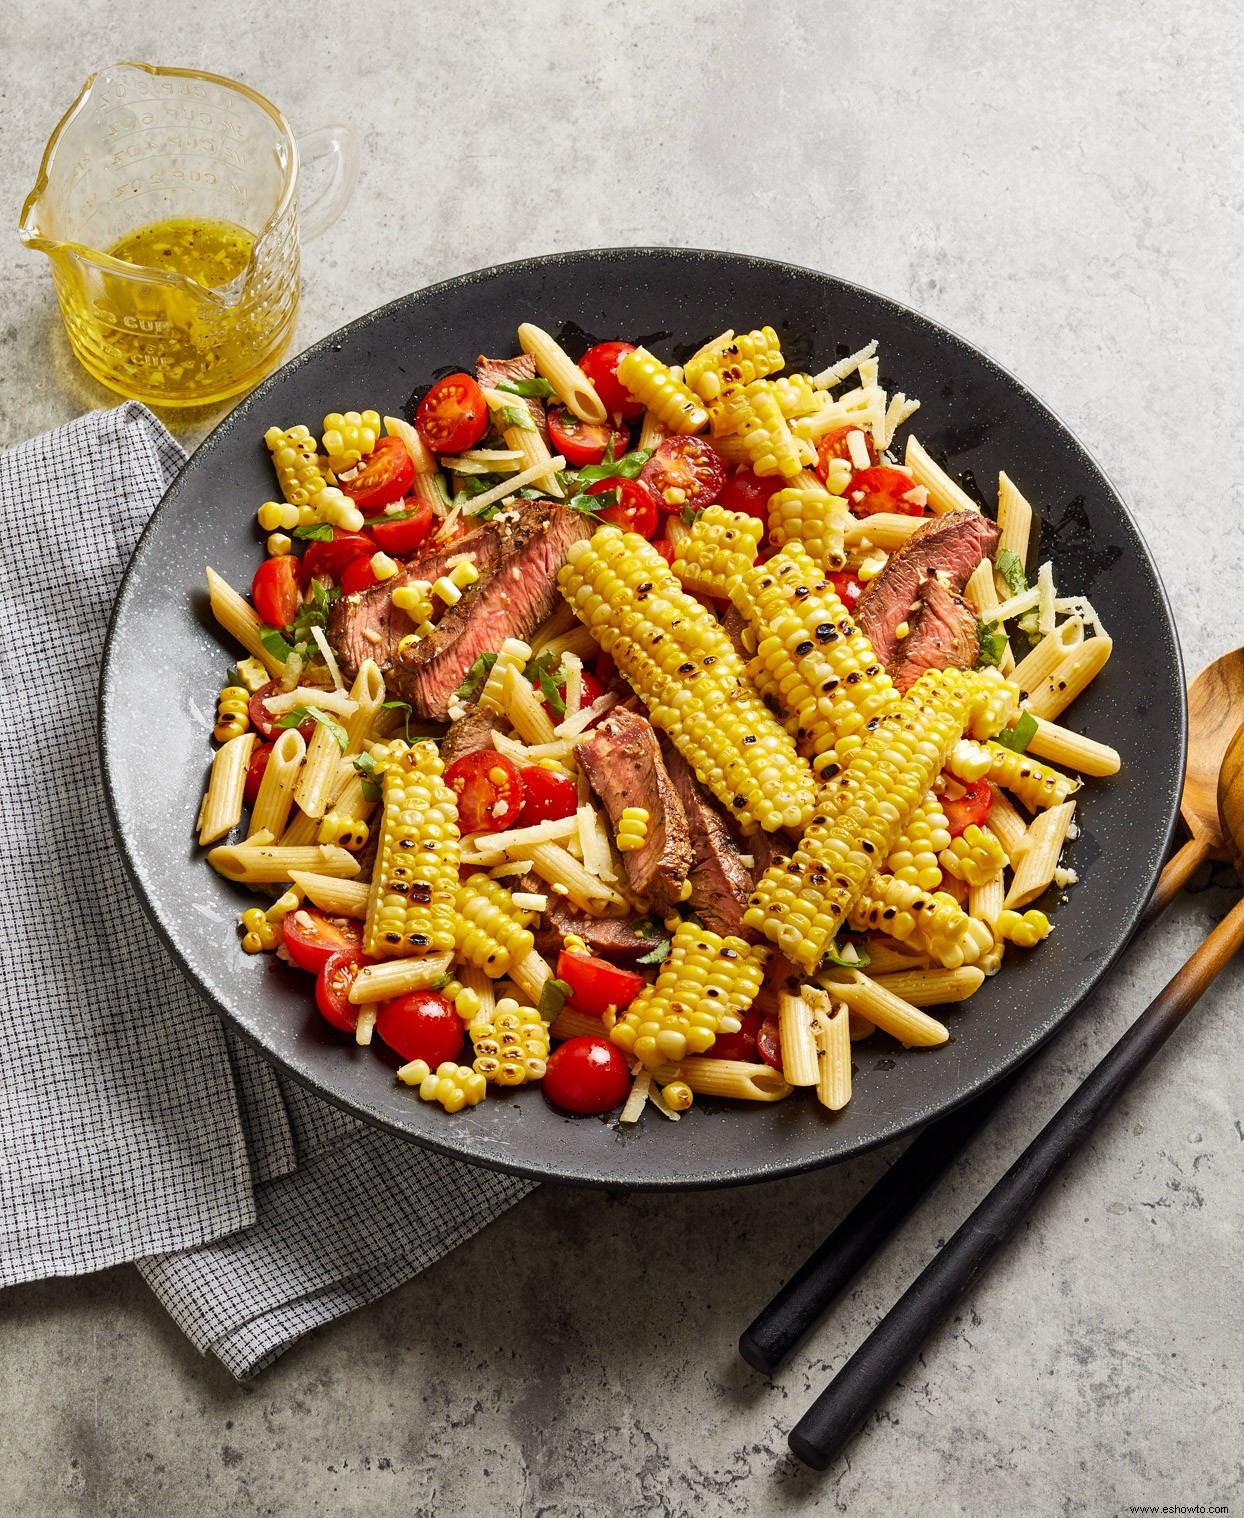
704	985
806	513
490	932
297	465
811	659
720	545
934	923
976	856
1026	929
801	902
647	378
731	361
913	859
753	412
410	907
1037	785
513	1048
454	1086
684	667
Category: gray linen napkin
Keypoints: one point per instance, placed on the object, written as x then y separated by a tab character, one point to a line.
132	1125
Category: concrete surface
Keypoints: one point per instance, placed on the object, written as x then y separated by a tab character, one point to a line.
1058	183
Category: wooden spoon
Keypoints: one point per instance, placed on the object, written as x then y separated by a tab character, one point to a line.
1215	709
850	1397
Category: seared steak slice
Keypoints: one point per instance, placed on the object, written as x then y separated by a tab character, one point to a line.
622	761
720	886
949	548
367	625
471	733
943	635
614	937
488	371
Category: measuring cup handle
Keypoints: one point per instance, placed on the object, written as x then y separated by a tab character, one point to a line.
340	143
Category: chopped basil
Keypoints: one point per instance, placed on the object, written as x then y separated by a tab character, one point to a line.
538	387
553	997
992	644
274	643
541	672
300	714
476	676
443	981
860	956
399	516
687	515
1009	567
314	613
514	416
315	532
626	468
657	955
369	779
400	706
589	505
1020	736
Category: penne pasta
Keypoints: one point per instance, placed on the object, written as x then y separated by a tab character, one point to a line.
944	494
426	484
222	803
860	1027
559	868
531	974
1072	750
367	693
934	988
319	772
478	981
527	713
395	977
335	703
985	901
276	789
571	1023
240	620
1060	688
337	897
1014	521
727	1077
575	640
539	466
555	364
1045	658
893	1015
264	864
982	595
833	1084
886	530
795	1029
1035	871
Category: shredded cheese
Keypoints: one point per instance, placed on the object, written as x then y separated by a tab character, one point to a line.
519	838
1016	606
638	1098
857	447
576	724
330	658
311	695
530	901
836	373
1045	599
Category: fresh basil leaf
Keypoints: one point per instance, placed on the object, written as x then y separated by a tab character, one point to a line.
1009	567
1018	738
552	695
992	644
538	387
402	706
585	503
399	516
443	981
625	468
369	779
861	959
315	532
648	927
300	714
476	676
314	613
514	416
274	643
687	515
554	995
657	955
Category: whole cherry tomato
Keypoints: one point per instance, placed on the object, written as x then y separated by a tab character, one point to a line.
402	532
632	508
312	937
584	442
600	364
453	415
489	788
973	806
421	1025
383	477
332	988
335	557
587	1074
262	720
882	489
596	985
684	471
275	590
749	493
547	796
254	773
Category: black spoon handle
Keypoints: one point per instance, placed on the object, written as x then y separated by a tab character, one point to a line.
779	1328
850	1397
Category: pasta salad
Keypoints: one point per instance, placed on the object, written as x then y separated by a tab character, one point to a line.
644	731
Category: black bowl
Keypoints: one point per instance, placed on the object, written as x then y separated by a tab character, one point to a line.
164	664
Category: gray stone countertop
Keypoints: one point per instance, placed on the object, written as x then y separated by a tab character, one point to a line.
1061	185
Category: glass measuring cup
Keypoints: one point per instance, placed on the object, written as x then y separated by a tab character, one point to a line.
144	145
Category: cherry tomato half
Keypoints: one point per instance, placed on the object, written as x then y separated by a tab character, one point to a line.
254	773
740	1045
587	1074
848	587
358	575
401	532
275	590
834	446
596	985
632	507
605	667
384	476
421	1025
263	721
769	1042
972	807
687	465
332	987
881	489
593	690
312	937
749	493
334	558
584	442
453	415
665	548
547	796
489	788
600	364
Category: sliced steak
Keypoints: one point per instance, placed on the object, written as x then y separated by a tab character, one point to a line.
614	937
622	761
948	547
720	885
471	733
944	635
489	371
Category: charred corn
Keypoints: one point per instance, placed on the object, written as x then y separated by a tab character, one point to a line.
1035	784
732	361
513	1048
349	437
490	932
454	1086
807	514
720	545
753	412
934	923
414	887
297	465
913	859
975	857
232	713
703	987
350	832
684	667
1026	929
677	408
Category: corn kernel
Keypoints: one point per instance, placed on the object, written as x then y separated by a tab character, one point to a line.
685	893
453	1086
678	1095
259	935
383	567
513	1048
447	591
347	832
1026	931
632	829
464	574
279	544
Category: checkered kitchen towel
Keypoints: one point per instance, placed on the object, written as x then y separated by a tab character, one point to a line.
132	1125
